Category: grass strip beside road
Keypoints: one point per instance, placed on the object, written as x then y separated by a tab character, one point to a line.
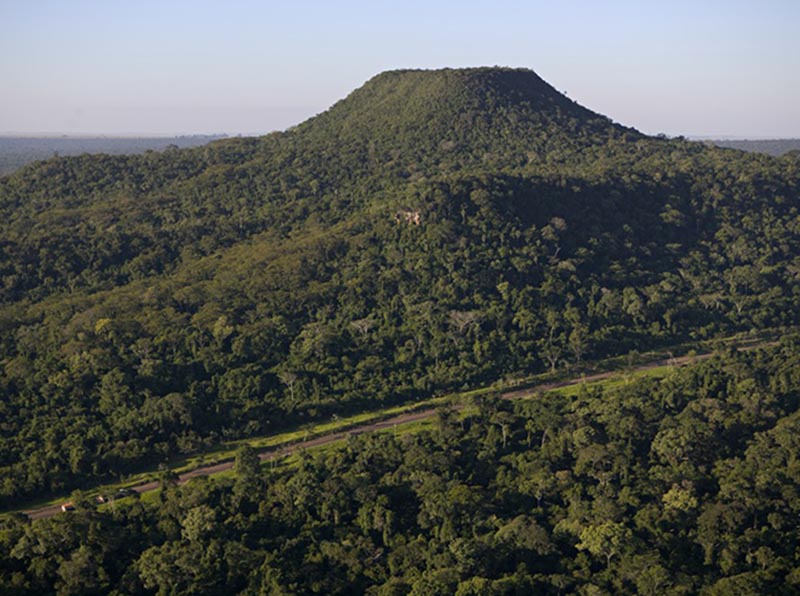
227	451
280	445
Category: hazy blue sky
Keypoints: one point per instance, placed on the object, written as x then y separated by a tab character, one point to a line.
702	67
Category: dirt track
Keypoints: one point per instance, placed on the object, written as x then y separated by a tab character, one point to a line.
266	455
274	452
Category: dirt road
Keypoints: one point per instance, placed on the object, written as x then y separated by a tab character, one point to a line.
266	455
280	451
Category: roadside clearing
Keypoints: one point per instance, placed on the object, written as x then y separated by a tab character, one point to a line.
285	444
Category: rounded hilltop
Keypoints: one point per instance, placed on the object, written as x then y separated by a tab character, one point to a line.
505	85
496	110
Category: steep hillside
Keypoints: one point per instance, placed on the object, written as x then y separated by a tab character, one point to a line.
458	118
96	222
435	229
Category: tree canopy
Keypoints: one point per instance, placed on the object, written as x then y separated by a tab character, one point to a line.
432	231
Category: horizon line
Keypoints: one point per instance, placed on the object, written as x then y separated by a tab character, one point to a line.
167	135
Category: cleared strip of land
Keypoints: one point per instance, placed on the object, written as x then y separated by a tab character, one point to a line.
288	443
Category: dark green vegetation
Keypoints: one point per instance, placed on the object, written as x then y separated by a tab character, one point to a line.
683	485
154	304
776	147
16	152
433	231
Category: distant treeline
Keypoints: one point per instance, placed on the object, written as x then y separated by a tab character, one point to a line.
15	152
775	147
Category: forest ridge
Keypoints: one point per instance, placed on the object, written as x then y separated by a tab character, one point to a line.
155	303
433	231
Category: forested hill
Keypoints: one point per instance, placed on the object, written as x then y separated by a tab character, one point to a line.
425	122
433	230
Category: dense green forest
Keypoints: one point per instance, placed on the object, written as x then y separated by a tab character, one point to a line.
433	231
683	485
